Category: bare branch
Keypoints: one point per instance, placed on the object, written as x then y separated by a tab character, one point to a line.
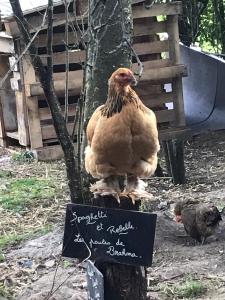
49	38
24	51
67	58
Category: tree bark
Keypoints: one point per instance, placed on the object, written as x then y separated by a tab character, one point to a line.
110	32
122	282
45	77
110	27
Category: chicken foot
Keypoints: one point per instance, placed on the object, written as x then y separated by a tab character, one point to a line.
106	187
135	189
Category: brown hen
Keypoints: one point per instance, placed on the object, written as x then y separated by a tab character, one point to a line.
199	220
122	140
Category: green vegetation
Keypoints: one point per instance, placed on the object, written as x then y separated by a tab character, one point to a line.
21	192
17	197
5	174
189	289
2	257
23	157
12	239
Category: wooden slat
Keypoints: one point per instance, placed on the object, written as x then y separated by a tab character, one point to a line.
157	63
75	85
164	74
164	116
143	28
22	119
175	133
59	19
2	127
152	47
59	57
144	88
32	106
175	59
58	39
13	134
72	75
48	131
74	88
79	56
170	8
157	99
151	64
45	113
49	153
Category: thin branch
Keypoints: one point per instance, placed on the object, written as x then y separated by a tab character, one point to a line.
67	59
49	39
82	32
24	51
140	64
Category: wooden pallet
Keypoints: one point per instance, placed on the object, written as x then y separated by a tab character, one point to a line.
161	59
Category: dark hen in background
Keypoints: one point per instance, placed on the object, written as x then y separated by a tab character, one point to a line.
199	220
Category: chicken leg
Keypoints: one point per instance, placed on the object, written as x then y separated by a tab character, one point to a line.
135	188
107	186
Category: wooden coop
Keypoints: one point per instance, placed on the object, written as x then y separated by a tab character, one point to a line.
155	40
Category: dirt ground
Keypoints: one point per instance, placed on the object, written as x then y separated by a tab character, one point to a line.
28	270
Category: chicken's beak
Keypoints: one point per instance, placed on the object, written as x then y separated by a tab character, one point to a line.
133	81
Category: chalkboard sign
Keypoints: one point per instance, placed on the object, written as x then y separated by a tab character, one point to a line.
95	282
111	235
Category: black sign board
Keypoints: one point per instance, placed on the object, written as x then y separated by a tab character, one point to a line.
111	235
95	282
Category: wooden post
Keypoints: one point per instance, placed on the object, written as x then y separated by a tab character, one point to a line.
174	55
2	127
174	149
32	105
21	109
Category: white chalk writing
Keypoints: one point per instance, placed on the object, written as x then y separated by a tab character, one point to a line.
113	252
89	219
119	243
99	227
121	229
96	242
78	238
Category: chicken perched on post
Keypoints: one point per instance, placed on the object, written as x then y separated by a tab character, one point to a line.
122	140
199	220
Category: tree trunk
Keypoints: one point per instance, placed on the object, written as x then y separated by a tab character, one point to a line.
110	32
45	77
110	27
122	282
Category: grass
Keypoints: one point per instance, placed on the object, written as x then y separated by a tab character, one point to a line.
12	239
5	174
19	193
32	200
20	197
189	289
23	157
